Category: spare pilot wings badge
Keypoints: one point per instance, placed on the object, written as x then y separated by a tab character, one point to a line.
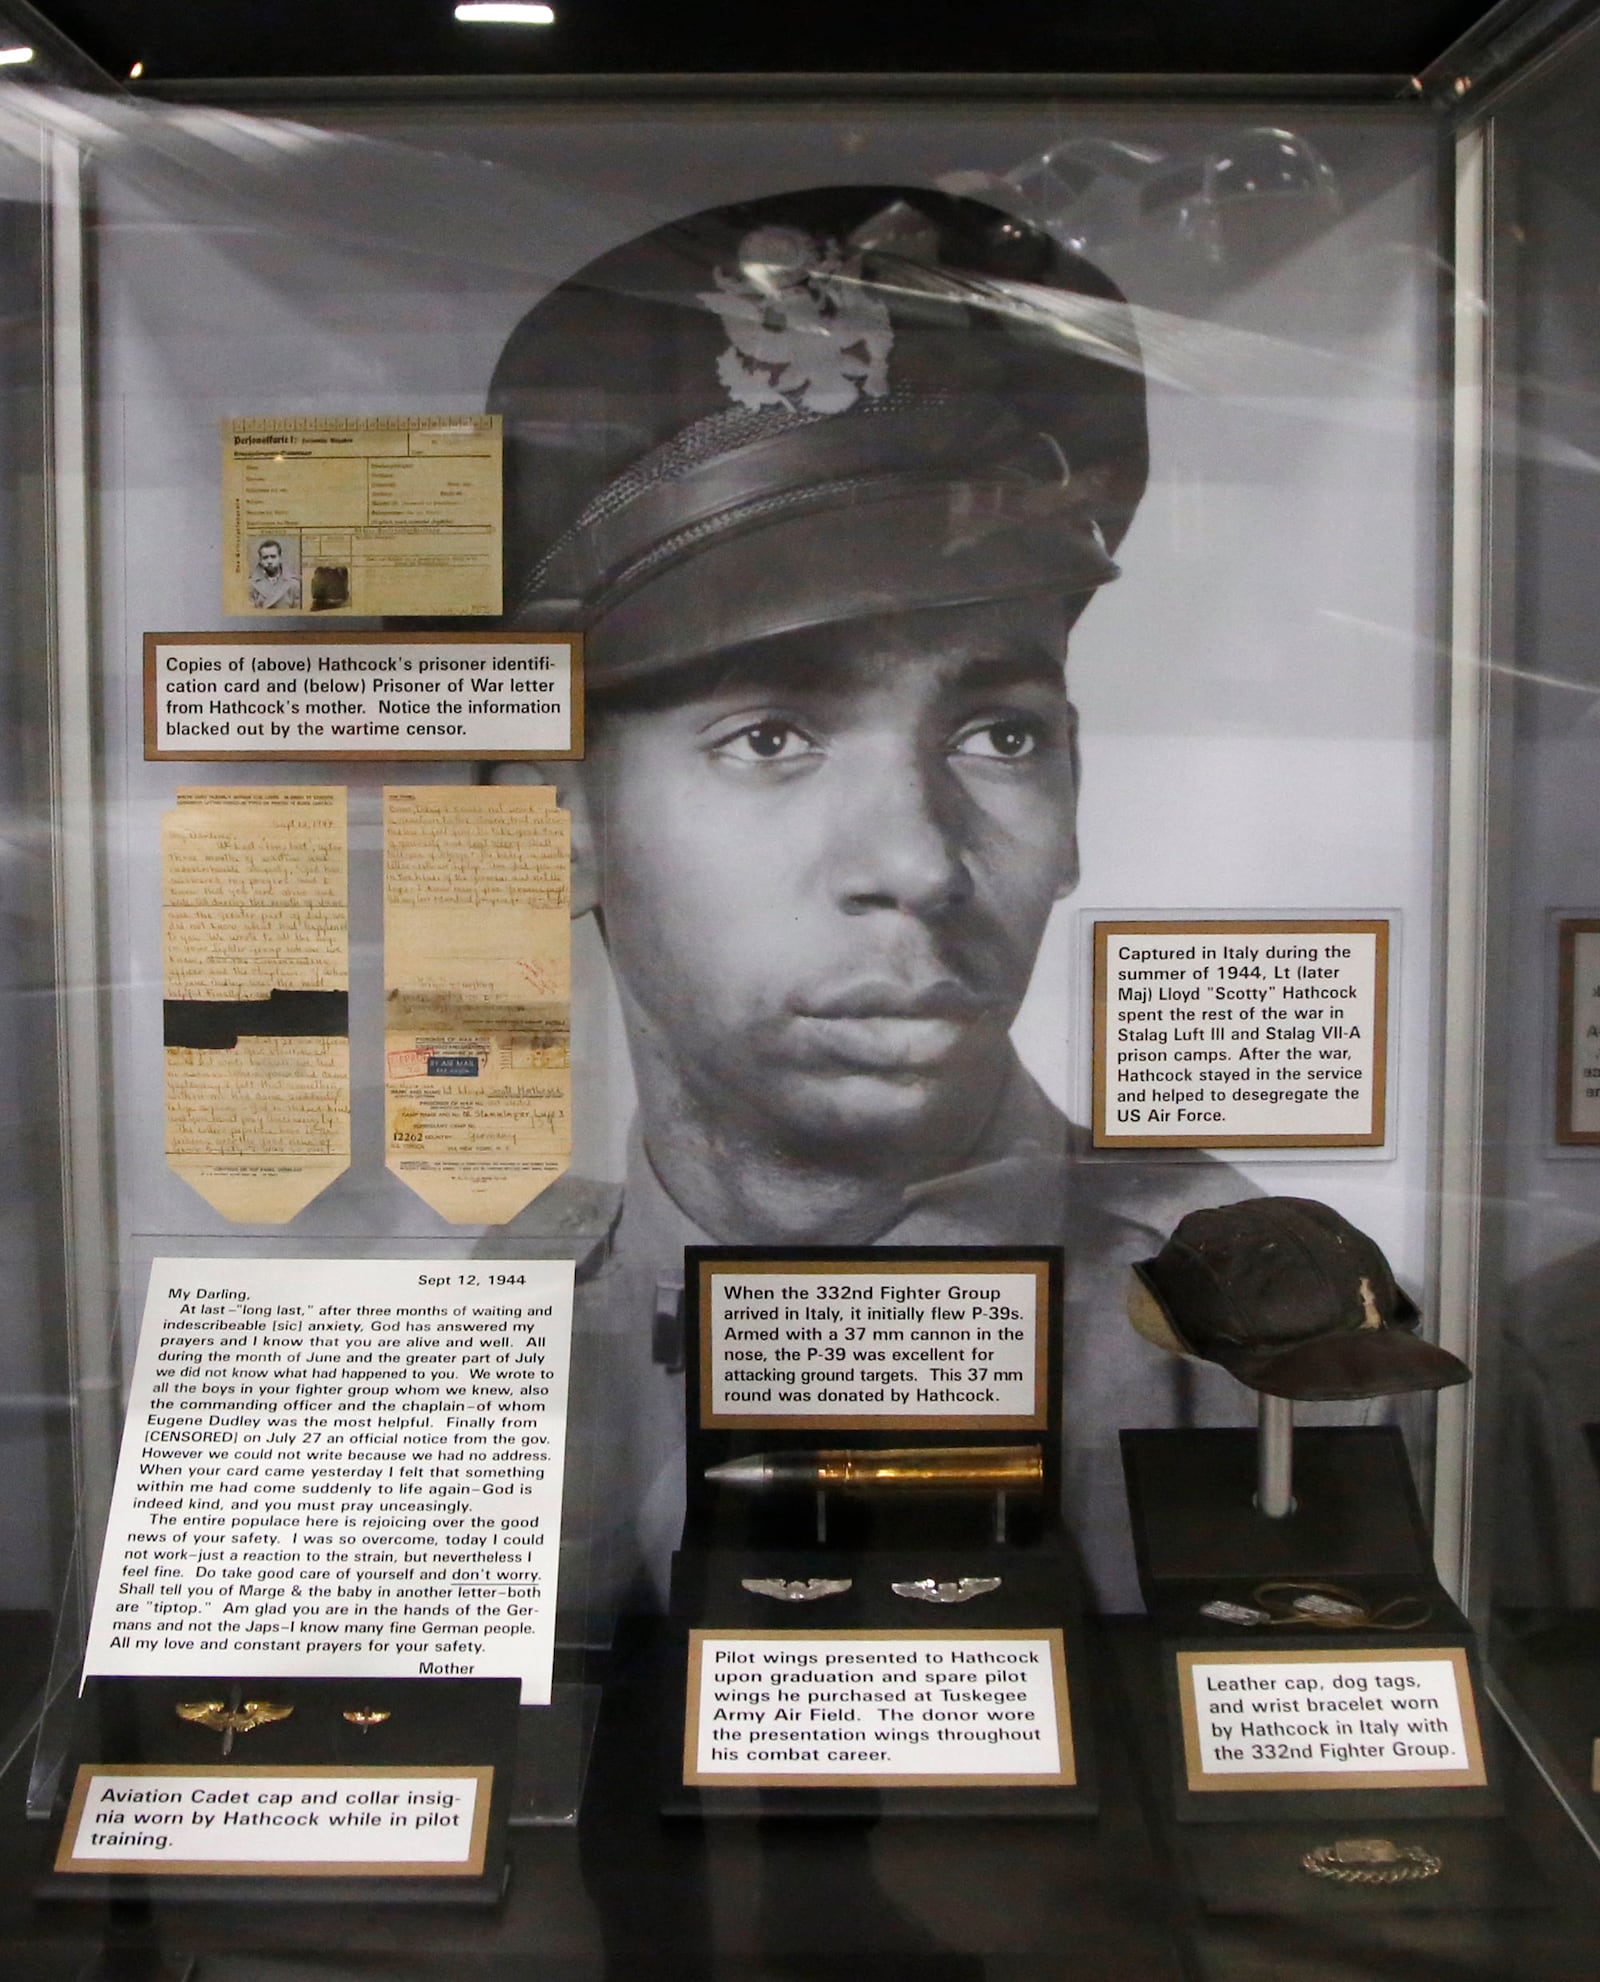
802	332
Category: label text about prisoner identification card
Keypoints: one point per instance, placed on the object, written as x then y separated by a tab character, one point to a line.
264	698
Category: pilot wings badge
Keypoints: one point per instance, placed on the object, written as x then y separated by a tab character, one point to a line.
802	331
783	1589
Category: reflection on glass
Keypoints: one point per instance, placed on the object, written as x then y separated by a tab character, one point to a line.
1229	212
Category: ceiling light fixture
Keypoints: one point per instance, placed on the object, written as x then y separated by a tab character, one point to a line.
505	13
10	56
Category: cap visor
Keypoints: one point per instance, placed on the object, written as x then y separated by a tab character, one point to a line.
1148	1312
875	551
1368	1363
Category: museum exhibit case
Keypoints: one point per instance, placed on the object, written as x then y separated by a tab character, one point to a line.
804	1018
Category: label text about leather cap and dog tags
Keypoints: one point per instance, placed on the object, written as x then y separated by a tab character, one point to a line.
1274	1719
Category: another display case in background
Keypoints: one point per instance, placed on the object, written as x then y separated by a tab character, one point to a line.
1536	1479
1341	679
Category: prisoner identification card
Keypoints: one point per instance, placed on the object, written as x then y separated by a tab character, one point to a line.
333	513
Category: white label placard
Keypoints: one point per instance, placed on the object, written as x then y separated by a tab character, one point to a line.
1240	1035
871	1345
318	1822
877	1707
225	696
341	1466
1329	1720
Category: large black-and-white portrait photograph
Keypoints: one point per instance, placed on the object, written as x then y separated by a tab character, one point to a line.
979	521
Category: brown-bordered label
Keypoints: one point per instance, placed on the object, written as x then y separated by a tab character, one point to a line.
1329	1719
1578	1032
345	697
1261	1034
906	1709
217	1820
874	1344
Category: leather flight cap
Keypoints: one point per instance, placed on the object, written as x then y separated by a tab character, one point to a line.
1291	1299
808	409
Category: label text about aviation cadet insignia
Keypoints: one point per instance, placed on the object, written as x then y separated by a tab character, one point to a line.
276	1822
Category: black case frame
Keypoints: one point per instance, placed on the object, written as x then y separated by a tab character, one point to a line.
729	1536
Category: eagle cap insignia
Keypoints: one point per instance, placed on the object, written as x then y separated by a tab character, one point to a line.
803	333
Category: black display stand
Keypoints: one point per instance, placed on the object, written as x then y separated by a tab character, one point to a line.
1251	1866
432	1723
730	1536
1199	1537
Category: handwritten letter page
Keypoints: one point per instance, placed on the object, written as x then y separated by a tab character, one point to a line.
256	989
477	975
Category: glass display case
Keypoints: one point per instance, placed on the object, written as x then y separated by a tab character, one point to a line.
805	1031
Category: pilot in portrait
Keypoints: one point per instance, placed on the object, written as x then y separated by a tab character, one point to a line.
827	480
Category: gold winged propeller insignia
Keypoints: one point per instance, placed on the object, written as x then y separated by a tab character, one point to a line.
231	1721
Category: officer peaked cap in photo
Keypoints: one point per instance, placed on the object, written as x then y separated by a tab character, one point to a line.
808	409
1290	1298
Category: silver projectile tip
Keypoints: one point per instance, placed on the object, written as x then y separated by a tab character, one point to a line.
740	1473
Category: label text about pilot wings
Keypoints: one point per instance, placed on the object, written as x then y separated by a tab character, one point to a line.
875	1707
